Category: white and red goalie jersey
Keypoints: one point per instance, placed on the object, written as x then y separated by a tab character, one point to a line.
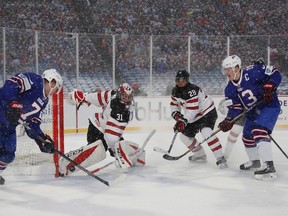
117	108
114	117
193	102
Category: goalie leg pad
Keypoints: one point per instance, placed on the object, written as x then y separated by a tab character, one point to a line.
85	156
127	155
137	157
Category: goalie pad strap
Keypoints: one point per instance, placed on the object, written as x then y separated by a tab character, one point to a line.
122	154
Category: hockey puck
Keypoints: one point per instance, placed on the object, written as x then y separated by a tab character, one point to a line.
72	168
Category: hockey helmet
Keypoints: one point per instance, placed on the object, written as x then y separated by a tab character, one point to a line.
182	74
51	75
231	62
125	93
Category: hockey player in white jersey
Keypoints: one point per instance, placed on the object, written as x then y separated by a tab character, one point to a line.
198	114
105	130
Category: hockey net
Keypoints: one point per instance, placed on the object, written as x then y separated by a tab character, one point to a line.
29	160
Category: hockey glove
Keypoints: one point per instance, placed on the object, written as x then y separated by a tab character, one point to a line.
77	97
180	125
14	111
177	115
47	146
225	125
268	90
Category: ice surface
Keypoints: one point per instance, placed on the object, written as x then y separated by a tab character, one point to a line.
160	188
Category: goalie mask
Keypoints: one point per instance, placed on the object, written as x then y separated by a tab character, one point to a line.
51	75
125	94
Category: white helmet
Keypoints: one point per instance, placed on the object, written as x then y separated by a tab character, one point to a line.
231	62
125	93
50	75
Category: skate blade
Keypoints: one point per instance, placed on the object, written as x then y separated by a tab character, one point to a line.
268	176
248	170
198	161
223	166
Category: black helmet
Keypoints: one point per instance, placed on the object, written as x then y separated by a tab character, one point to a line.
182	74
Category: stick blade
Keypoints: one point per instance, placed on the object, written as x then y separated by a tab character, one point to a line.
169	157
160	150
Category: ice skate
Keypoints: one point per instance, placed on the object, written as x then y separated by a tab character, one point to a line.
267	171
196	158
199	155
250	165
2	180
222	162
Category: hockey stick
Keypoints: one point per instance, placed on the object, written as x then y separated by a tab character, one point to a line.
63	155
278	146
79	105
169	157
138	151
160	150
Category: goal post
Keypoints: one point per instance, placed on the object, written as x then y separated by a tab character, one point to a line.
58	126
29	160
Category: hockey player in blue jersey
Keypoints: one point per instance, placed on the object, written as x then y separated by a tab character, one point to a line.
253	86
24	96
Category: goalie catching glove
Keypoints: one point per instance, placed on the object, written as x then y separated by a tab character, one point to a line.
46	145
77	97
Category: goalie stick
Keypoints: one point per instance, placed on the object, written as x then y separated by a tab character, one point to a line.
160	150
138	151
63	155
169	157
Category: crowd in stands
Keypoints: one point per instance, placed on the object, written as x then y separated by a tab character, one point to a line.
142	17
251	25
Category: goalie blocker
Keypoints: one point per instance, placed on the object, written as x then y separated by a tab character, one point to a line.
126	155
